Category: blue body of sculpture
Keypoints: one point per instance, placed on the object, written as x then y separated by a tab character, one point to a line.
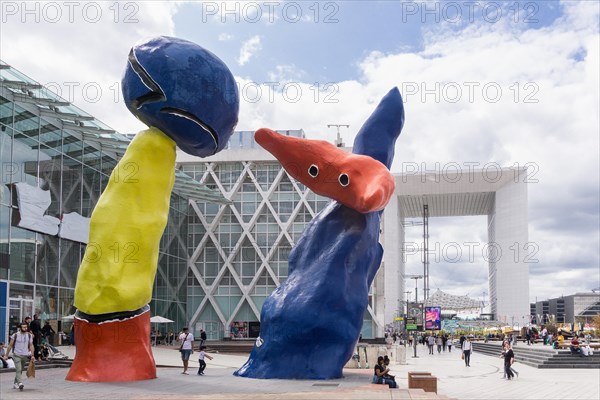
311	323
185	91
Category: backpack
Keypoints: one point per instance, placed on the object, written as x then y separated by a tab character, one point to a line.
14	337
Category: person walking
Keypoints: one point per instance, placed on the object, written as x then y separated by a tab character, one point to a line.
449	343
509	359
439	342
202	337
186	348
505	347
72	336
21	343
48	331
431	343
544	335
28	322
201	360
35	327
467	347
444	341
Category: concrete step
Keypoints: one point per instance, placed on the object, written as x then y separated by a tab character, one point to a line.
232	346
568	366
541	357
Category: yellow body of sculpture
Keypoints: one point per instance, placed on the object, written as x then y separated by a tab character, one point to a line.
119	266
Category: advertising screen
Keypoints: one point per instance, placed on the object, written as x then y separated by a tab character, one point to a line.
433	318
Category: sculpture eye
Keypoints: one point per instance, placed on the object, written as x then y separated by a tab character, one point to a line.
313	170
155	94
344	180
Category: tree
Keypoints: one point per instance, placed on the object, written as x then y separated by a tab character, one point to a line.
596	321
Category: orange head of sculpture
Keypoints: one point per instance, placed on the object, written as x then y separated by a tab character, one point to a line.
358	182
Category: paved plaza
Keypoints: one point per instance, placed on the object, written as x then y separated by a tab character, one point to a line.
483	380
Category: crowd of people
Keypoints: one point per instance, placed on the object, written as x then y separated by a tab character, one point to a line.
30	342
580	344
158	337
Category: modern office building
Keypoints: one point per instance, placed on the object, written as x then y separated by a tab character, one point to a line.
575	308
55	161
239	251
455	190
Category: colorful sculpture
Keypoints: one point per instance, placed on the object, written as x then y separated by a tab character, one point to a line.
311	323
359	182
188	97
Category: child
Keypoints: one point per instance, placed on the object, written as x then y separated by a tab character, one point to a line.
201	360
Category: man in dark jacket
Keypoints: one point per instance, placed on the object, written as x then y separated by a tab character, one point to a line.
36	328
509	358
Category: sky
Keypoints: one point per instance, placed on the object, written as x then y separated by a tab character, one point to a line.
508	83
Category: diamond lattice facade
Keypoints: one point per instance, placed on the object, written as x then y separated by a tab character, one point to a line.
239	252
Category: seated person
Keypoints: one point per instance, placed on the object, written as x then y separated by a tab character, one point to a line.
575	346
561	338
555	344
2	354
380	372
44	352
386	363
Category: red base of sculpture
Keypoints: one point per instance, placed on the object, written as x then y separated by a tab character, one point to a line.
115	351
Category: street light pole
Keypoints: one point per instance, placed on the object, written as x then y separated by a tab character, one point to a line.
416	278
406	317
407	293
338	140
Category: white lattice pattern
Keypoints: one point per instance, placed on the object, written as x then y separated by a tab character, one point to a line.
239	252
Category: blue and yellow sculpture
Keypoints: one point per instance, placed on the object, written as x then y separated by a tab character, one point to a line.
188	97
311	323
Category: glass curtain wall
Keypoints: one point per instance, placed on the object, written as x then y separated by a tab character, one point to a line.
38	271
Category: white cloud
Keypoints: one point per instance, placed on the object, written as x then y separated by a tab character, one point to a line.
547	114
248	49
223	37
286	73
85	55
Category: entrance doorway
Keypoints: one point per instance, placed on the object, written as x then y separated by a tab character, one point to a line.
214	330
19	308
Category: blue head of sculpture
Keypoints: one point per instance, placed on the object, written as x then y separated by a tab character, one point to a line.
185	91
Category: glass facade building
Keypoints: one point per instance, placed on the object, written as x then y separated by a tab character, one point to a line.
50	144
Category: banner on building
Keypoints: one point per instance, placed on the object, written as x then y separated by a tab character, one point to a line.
238	330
